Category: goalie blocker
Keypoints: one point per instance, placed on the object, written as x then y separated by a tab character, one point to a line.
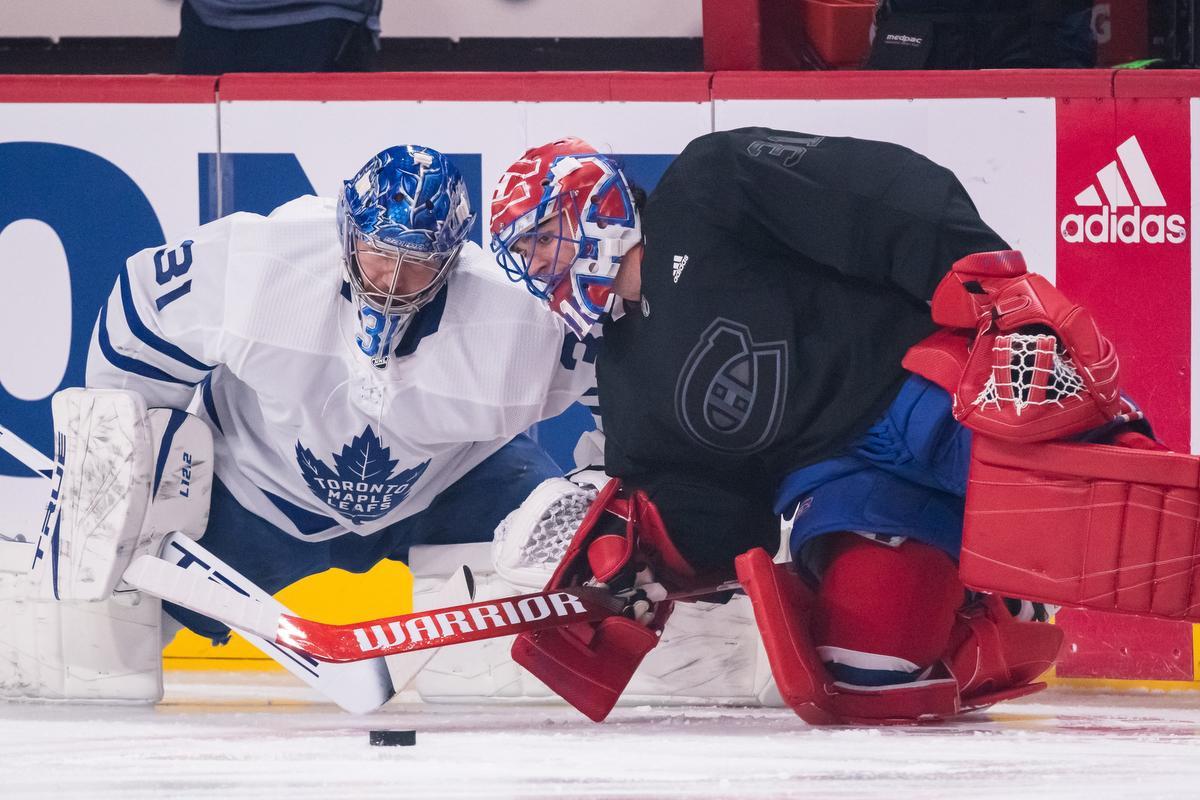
1108	523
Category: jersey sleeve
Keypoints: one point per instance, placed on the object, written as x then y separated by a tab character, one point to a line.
868	210
159	332
574	378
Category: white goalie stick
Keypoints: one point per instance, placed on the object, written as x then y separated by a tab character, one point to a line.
19	555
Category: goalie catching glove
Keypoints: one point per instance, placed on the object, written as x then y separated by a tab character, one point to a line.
1021	361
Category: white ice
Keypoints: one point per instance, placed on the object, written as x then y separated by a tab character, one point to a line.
261	736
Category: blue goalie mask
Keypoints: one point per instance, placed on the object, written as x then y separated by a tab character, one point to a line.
401	220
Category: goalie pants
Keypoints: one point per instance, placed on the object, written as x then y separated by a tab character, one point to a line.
906	477
468	511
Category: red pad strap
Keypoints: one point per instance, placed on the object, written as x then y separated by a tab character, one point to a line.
965	292
783	611
1084	525
991	655
574	568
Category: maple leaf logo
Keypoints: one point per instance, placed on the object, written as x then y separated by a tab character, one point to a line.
360	486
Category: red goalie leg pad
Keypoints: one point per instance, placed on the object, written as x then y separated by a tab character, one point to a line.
994	657
783	608
896	603
1084	525
588	666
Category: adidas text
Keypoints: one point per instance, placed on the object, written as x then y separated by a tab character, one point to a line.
1108	226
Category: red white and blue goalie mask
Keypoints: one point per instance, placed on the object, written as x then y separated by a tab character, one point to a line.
562	218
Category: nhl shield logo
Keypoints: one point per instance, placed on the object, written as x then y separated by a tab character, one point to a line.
731	392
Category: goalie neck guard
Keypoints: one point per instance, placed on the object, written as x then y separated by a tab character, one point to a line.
563	216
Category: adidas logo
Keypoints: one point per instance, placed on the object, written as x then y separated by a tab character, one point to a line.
1119	215
677	265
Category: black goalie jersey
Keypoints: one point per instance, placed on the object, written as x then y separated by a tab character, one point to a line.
784	277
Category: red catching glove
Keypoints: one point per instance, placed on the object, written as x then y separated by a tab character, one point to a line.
1037	368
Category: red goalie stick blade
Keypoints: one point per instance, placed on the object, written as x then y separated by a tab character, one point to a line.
440	627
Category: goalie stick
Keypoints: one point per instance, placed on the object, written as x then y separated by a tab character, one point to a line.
24	452
19	554
404	633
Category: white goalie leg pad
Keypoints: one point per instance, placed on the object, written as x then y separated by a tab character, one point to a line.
124	478
477	671
456	590
709	653
104	462
103	650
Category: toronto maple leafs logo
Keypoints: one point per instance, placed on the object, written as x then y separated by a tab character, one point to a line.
362	488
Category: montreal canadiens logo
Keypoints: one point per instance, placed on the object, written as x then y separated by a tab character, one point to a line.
731	392
1130	209
360	486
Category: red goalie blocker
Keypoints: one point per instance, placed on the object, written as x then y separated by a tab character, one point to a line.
1084	525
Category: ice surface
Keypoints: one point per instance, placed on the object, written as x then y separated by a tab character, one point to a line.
262	736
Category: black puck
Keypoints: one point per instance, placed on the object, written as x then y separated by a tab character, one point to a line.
393	738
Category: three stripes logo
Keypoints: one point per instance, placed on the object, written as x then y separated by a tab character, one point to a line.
677	265
1124	204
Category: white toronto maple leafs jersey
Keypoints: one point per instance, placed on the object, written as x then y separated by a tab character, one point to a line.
249	322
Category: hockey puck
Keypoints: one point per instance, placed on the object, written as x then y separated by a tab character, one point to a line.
393	738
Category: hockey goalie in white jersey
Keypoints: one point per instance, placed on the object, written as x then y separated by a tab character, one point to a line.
366	375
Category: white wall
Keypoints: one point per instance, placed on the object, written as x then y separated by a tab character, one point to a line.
433	18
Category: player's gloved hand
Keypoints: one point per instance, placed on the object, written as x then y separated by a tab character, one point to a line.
623	546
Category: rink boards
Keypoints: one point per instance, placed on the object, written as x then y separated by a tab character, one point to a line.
1090	173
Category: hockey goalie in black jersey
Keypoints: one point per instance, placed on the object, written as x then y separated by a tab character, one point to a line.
756	315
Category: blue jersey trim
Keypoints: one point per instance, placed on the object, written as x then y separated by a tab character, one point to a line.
210	405
164	446
308	523
425	323
128	364
148	336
